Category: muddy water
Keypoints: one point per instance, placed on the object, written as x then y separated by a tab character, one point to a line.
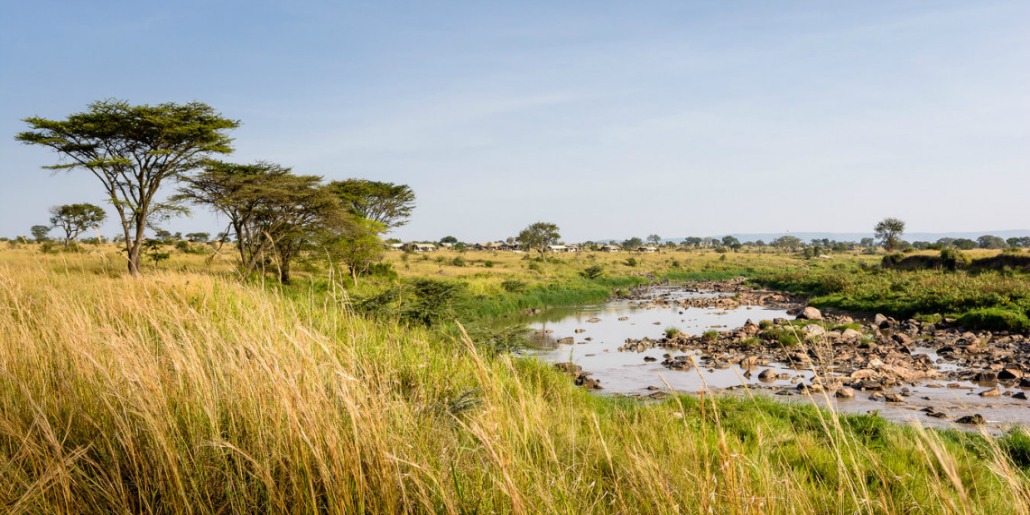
603	328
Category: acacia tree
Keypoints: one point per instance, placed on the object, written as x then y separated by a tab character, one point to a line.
275	214
241	192
654	239
538	236
889	232
383	202
39	232
132	150
76	218
358	247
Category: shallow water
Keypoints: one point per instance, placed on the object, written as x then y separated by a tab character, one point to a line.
595	349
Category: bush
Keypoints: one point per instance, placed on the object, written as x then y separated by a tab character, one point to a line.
952	259
382	270
710	335
458	261
488	263
593	272
997	319
513	286
672	332
632	262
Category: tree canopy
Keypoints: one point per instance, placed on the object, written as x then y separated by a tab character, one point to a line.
73	219
889	231
274	213
538	236
386	203
132	150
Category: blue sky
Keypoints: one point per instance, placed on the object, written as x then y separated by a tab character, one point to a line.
610	119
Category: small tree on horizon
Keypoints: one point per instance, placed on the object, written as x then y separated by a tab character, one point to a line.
889	232
73	219
39	232
538	236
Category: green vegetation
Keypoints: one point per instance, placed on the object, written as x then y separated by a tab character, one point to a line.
182	391
191	389
908	293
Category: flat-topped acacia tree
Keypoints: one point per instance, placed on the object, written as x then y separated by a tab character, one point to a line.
133	150
73	219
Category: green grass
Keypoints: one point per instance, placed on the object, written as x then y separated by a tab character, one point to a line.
906	294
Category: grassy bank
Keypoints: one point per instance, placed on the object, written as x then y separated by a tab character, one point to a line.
986	299
186	392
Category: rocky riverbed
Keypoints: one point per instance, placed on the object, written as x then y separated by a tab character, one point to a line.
938	372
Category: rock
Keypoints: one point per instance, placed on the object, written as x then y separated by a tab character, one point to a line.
1019	395
580	331
750	328
623	319
749	363
907	374
814	330
985	376
593	320
878	396
850	334
975	418
767	375
993	392
845	393
810	313
569	368
881	321
650	359
587	382
894	397
566	341
1010	373
901	338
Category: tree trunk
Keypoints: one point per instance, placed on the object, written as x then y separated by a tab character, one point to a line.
354	275
134	259
284	272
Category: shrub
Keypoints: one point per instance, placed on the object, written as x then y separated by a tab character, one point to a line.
632	262
672	332
593	272
488	263
765	324
513	286
382	270
458	261
998	319
710	335
953	259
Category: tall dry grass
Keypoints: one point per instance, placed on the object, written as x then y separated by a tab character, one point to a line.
185	392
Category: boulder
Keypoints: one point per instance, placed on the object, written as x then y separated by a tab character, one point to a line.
845	393
993	392
767	375
810	313
1010	373
750	328
749	363
893	397
568	340
850	334
814	330
975	418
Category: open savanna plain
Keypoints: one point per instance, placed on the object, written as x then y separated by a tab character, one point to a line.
192	389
